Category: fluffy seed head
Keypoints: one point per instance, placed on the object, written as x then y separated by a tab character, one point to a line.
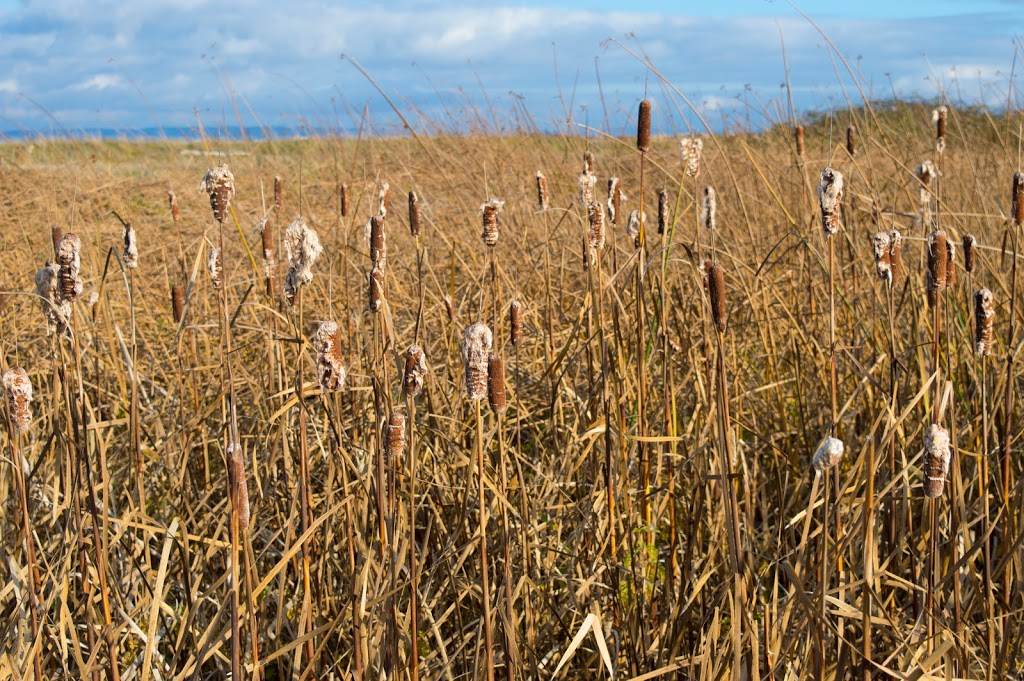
984	315
178	302
798	135
881	244
542	191
969	242
615	199
330	369
172	201
278	192
219	183
130	257
851	140
936	460
70	282
707	208
643	126
515	323
896	255
476	347
691	148
830	453
376	239
939	116
1017	204
830	196
56	311
937	264
635	227
595	226
376	288
238	484
588	163
215	268
415	371
489	213
19	394
395	439
383	199
496	384
587	182
414	214
662	210
302	246
716	291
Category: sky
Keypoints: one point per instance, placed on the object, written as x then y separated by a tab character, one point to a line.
73	65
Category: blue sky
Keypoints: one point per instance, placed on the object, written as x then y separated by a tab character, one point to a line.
78	64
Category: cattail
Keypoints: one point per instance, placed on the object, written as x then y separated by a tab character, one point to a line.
269	256
950	262
515	323
130	257
705	268
798	135
376	288
925	173
219	183
643	126
215	268
383	199
278	192
376	239
19	394
969	242
172	201
496	384
707	208
830	196
1017	204
330	370
616	198
178	302
56	311
449	308
302	246
896	255
489	212
716	291
634	225
830	453
394	442
936	460
984	314
588	163
587	183
239	485
937	254
56	234
881	244
851	140
662	210
542	191
343	199
692	148
415	371
70	283
939	119
414	214
476	347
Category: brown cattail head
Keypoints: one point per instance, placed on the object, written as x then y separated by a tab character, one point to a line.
542	191
662	210
395	439
178	302
984	315
302	246
19	394
383	199
343	199
950	262
587	183
415	371
588	163
716	291
172	201
830	197
69	260
219	183
130	257
414	214
615	199
798	135
881	244
708	206
851	140
969	242
215	268
635	227
489	213
476	348
238	484
939	116
278	192
56	311
496	384
691	148
937	263
595	227
376	239
515	323
269	257
936	460
376	288
1017	204
643	126
330	369
896	255
56	234
829	453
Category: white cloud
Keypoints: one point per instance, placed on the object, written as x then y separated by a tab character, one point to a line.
9	86
101	81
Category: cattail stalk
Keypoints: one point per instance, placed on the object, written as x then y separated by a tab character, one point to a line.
542	192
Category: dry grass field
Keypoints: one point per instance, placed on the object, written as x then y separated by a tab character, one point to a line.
229	486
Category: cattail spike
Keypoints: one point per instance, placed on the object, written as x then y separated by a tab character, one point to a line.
378	247
302	246
394	446
56	234
708	206
615	199
896	255
69	259
19	396
692	148
851	140
383	199
130	256
330	368
716	291
343	200
219	183
415	371
1017	203
239	485
633	227
376	288
476	349
515	323
414	214
828	454
937	265
830	197
542	191
881	244
489	213
172	201
278	192
643	126
178	302
939	119
588	163
269	257
496	385
969	242
662	210
984	315
215	268
936	460
798	135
